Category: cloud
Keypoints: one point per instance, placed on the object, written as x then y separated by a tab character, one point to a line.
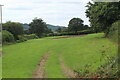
57	12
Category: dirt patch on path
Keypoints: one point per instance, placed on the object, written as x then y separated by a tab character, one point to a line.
67	71
40	71
69	36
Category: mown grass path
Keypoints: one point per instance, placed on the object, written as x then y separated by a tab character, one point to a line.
22	59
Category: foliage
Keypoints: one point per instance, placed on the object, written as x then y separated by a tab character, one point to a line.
101	15
48	31
38	27
71	33
7	36
110	69
75	24
13	27
86	27
26	32
62	29
113	32
31	36
21	38
107	70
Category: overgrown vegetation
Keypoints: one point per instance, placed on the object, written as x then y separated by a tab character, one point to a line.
7	37
14	27
113	31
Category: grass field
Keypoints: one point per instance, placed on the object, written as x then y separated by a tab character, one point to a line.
0	67
20	60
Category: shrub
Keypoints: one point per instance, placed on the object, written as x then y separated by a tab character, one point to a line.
21	38
14	27
71	33
31	36
7	36
113	31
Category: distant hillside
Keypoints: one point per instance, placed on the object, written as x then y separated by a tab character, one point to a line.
52	27
25	26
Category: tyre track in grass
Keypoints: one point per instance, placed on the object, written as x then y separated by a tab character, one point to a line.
66	70
40	71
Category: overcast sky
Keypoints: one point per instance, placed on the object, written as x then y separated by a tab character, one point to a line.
56	12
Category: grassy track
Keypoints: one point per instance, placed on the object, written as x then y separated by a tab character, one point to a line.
0	67
0	64
20	60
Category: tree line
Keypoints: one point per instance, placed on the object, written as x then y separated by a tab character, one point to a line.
39	28
101	16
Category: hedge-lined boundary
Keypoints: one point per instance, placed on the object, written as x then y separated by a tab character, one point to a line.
71	33
114	33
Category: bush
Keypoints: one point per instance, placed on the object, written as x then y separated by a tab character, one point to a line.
31	36
21	38
14	27
7	36
113	31
71	33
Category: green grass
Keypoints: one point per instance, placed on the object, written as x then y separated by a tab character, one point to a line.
0	67
20	60
0	64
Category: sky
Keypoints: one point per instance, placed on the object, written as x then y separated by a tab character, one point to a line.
55	12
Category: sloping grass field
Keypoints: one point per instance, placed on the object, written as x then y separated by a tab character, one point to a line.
20	60
0	67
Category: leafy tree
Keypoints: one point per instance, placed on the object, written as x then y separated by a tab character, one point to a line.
75	24
86	27
103	14
26	32
14	27
48	30
38	26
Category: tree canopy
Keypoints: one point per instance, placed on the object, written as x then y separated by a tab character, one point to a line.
75	24
38	26
62	29
102	15
14	27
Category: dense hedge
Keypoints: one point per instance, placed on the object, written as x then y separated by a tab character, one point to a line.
23	38
113	32
7	37
31	36
71	33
